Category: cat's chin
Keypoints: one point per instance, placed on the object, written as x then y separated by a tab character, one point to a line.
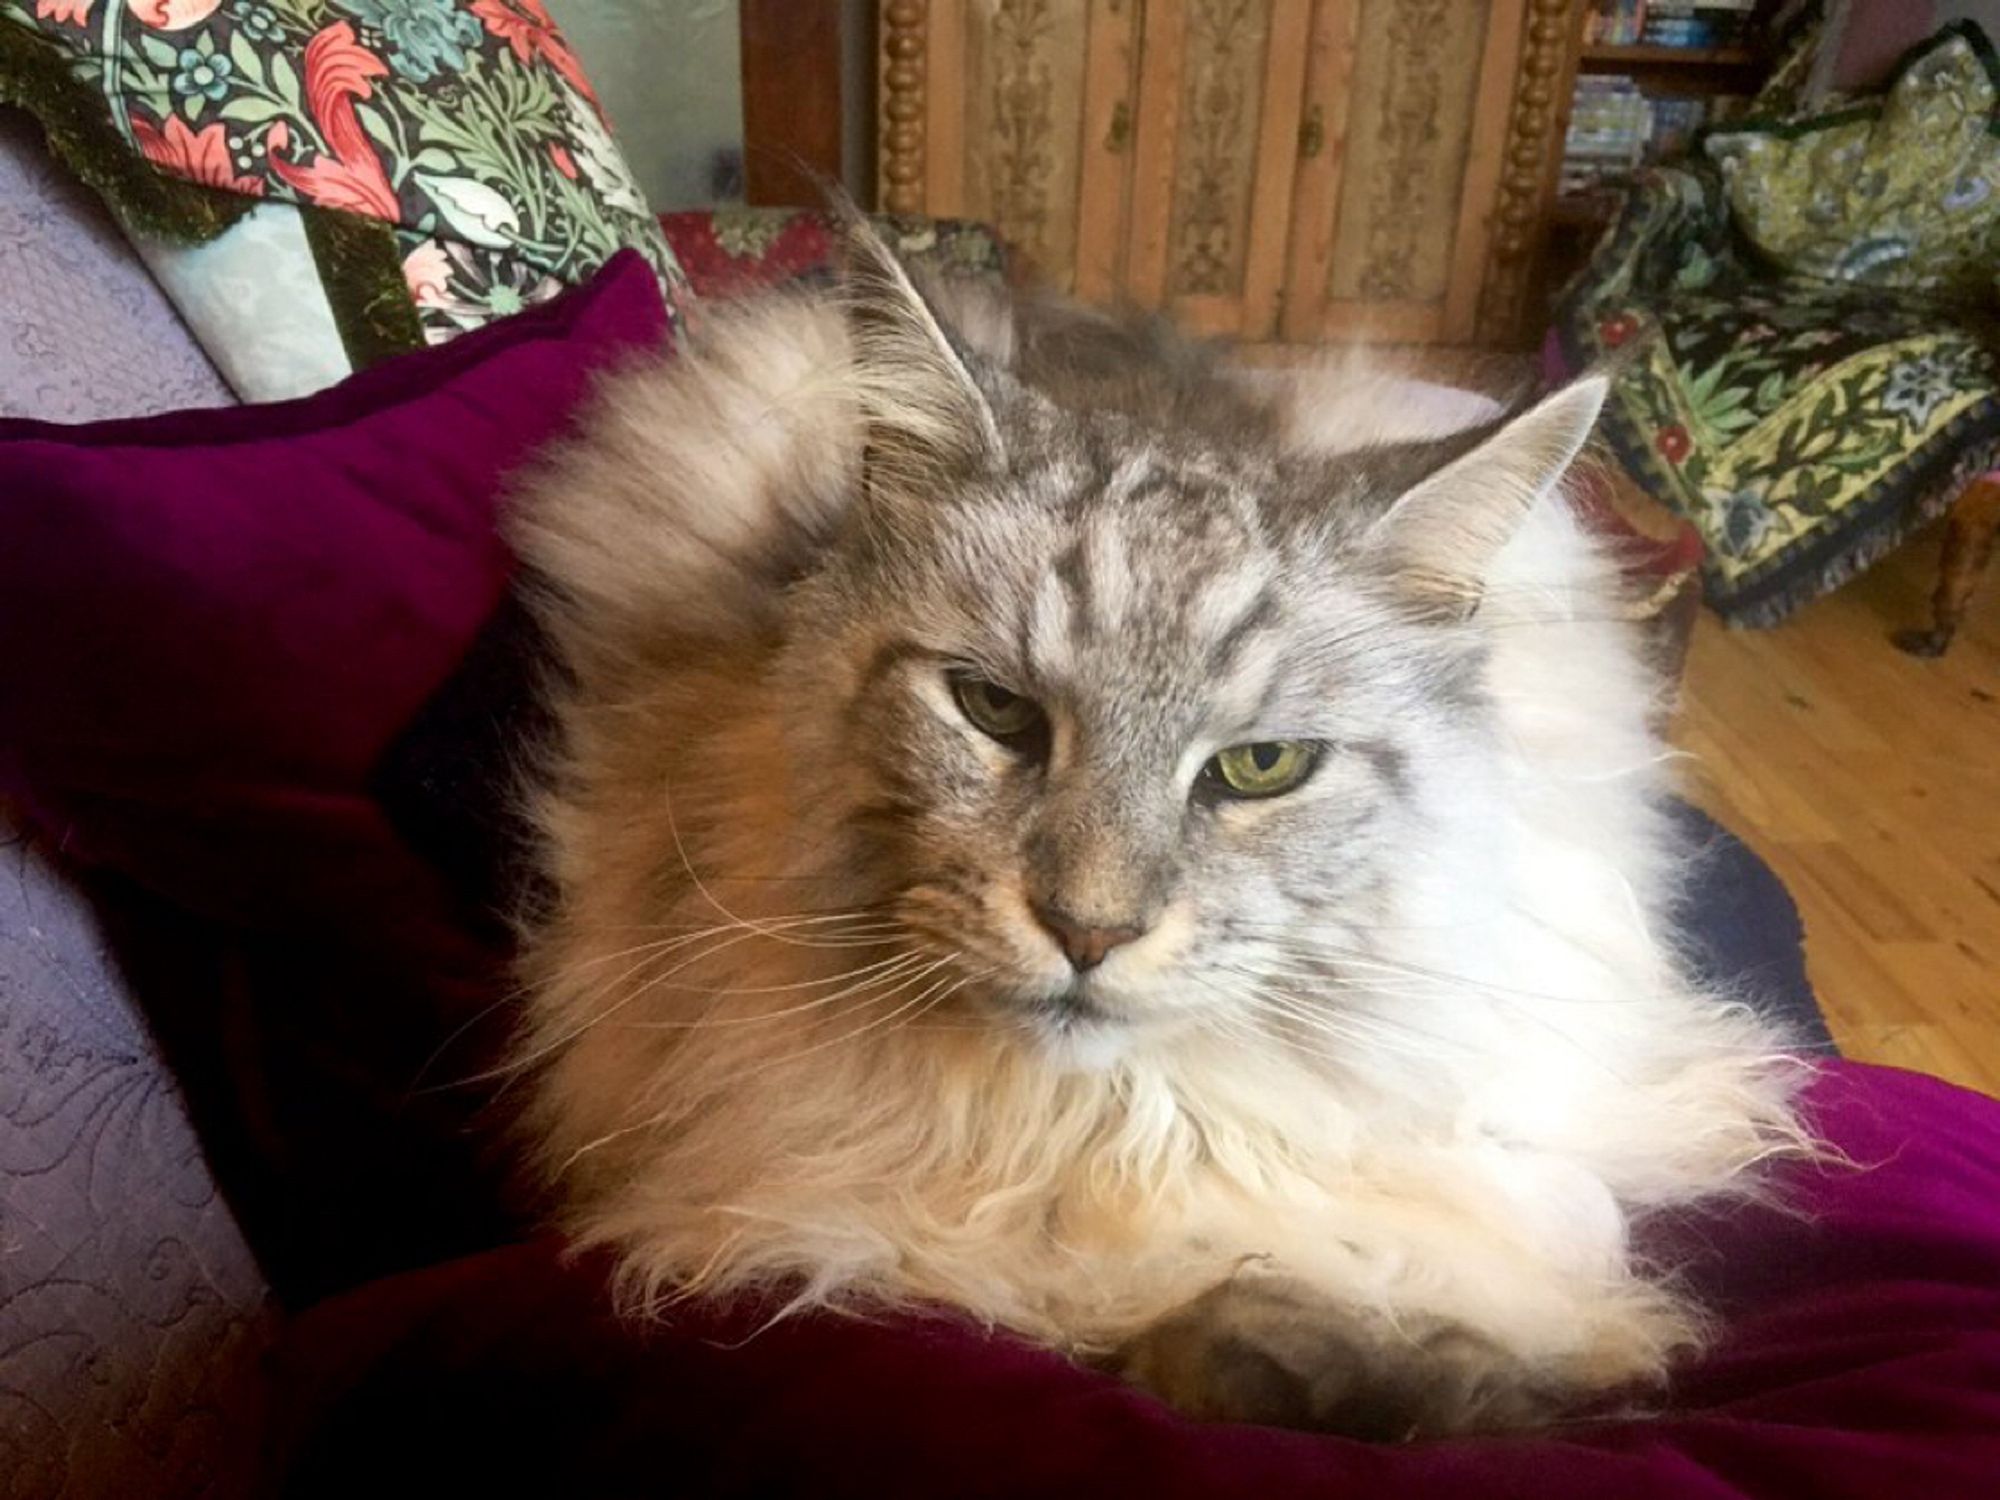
1073	1031
1080	1044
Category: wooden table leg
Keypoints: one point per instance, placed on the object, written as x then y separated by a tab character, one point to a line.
1968	544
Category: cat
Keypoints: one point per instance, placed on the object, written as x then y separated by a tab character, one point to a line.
1164	862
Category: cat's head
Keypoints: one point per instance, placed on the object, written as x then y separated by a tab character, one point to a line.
1143	727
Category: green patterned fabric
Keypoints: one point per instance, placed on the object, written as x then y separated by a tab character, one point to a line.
450	156
1903	191
1805	426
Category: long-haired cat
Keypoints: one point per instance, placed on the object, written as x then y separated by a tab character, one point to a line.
1167	866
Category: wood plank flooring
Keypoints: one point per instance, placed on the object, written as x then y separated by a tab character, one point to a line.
1870	781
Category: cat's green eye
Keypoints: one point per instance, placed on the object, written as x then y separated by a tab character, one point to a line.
1262	769
1007	717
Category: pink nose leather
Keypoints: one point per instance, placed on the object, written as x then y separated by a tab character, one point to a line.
1086	946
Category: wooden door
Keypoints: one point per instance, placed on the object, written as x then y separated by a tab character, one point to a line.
1297	169
1217	112
1405	125
1132	150
983	116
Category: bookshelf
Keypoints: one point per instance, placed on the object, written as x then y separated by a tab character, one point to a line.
1647	78
1681	84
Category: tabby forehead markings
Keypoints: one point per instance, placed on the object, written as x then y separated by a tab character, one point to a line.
1227	603
1054	626
1072	574
1103	562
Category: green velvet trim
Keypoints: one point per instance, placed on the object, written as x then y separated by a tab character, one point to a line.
35	75
361	268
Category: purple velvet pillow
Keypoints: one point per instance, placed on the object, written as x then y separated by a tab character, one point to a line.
212	625
1860	1360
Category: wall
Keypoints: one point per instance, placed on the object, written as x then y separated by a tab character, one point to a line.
1874	33
670	75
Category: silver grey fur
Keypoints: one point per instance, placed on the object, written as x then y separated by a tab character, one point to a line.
1251	603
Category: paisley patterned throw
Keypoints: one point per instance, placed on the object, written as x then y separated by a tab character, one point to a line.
464	128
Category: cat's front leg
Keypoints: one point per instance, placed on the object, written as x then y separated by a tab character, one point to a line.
1269	1349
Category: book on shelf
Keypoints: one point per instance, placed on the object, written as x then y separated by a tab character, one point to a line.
1615	128
1615	23
1668	23
1675	124
1610	122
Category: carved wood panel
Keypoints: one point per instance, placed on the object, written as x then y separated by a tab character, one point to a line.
1309	169
1222	88
1390	237
1024	67
1105	175
1537	117
1408	131
1215	142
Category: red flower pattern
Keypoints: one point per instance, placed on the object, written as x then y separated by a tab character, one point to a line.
1616	330
427	270
565	163
527	27
170	15
349	175
199	156
1673	442
64	12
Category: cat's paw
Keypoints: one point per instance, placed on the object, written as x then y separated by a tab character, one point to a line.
1272	1351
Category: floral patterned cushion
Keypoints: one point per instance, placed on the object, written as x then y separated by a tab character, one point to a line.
1902	191
449	156
1806	427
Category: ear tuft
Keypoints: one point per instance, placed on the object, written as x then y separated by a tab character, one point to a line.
1443	535
925	415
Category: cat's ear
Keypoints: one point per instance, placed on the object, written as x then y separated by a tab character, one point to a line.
926	417
1442	536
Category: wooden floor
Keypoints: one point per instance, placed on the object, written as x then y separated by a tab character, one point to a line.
1871	782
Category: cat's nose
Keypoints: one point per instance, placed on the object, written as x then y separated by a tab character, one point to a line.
1085	944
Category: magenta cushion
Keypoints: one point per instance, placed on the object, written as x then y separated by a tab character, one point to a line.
211	626
1861	1359
214	621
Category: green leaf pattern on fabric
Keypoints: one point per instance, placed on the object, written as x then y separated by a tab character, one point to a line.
425	37
467	124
